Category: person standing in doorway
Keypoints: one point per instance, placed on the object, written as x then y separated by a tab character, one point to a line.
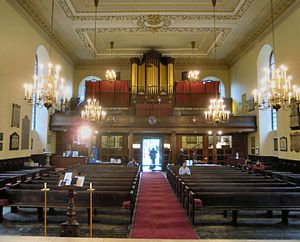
152	155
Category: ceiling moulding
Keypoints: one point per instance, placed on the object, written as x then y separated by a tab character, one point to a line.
90	64
38	22
205	62
259	31
179	62
236	14
82	33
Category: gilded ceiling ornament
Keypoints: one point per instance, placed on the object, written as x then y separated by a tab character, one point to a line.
153	23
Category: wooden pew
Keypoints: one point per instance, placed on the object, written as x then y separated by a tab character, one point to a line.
232	187
33	198
236	201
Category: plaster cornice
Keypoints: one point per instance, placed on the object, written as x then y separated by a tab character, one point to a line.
30	11
235	14
222	34
258	31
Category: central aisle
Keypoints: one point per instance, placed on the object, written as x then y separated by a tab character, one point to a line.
158	213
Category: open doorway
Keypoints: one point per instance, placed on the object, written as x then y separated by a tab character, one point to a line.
151	159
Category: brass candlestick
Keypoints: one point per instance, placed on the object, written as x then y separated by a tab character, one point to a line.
45	190
91	190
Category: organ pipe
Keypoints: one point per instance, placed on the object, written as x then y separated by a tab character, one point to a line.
152	75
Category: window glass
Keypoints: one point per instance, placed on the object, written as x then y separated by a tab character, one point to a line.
224	142
34	106
111	141
273	111
192	142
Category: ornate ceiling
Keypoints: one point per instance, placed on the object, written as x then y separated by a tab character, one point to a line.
169	26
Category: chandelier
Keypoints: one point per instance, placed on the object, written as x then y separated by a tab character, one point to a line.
276	90
93	112
47	88
111	74
193	75
216	112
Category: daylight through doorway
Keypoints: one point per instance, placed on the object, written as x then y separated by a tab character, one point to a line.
151	159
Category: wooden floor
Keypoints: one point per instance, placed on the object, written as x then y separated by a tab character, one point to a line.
60	239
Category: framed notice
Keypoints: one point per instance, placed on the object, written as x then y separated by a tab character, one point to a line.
15	120
1	141
275	141
14	141
250	104
295	115
295	141
283	143
25	133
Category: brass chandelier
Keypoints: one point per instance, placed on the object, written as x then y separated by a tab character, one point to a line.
93	112
216	112
193	75
47	88
111	75
276	89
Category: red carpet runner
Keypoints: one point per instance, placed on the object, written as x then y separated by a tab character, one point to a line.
158	213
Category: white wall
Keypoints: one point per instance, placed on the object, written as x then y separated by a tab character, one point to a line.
19	44
244	78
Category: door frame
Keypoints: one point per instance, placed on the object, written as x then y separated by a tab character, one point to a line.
160	138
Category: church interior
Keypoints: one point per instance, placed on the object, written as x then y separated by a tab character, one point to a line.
153	120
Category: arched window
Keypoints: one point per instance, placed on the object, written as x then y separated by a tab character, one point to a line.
273	111
81	88
34	106
40	114
221	86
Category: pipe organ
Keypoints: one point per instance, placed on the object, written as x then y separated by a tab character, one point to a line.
153	75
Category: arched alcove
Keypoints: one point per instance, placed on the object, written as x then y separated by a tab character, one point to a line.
81	88
214	78
40	114
264	117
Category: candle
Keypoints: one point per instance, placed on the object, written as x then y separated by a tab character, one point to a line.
255	95
26	89
45	185
30	91
91	186
290	96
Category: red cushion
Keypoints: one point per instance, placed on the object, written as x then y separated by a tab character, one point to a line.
126	204
198	203
59	169
4	202
186	193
